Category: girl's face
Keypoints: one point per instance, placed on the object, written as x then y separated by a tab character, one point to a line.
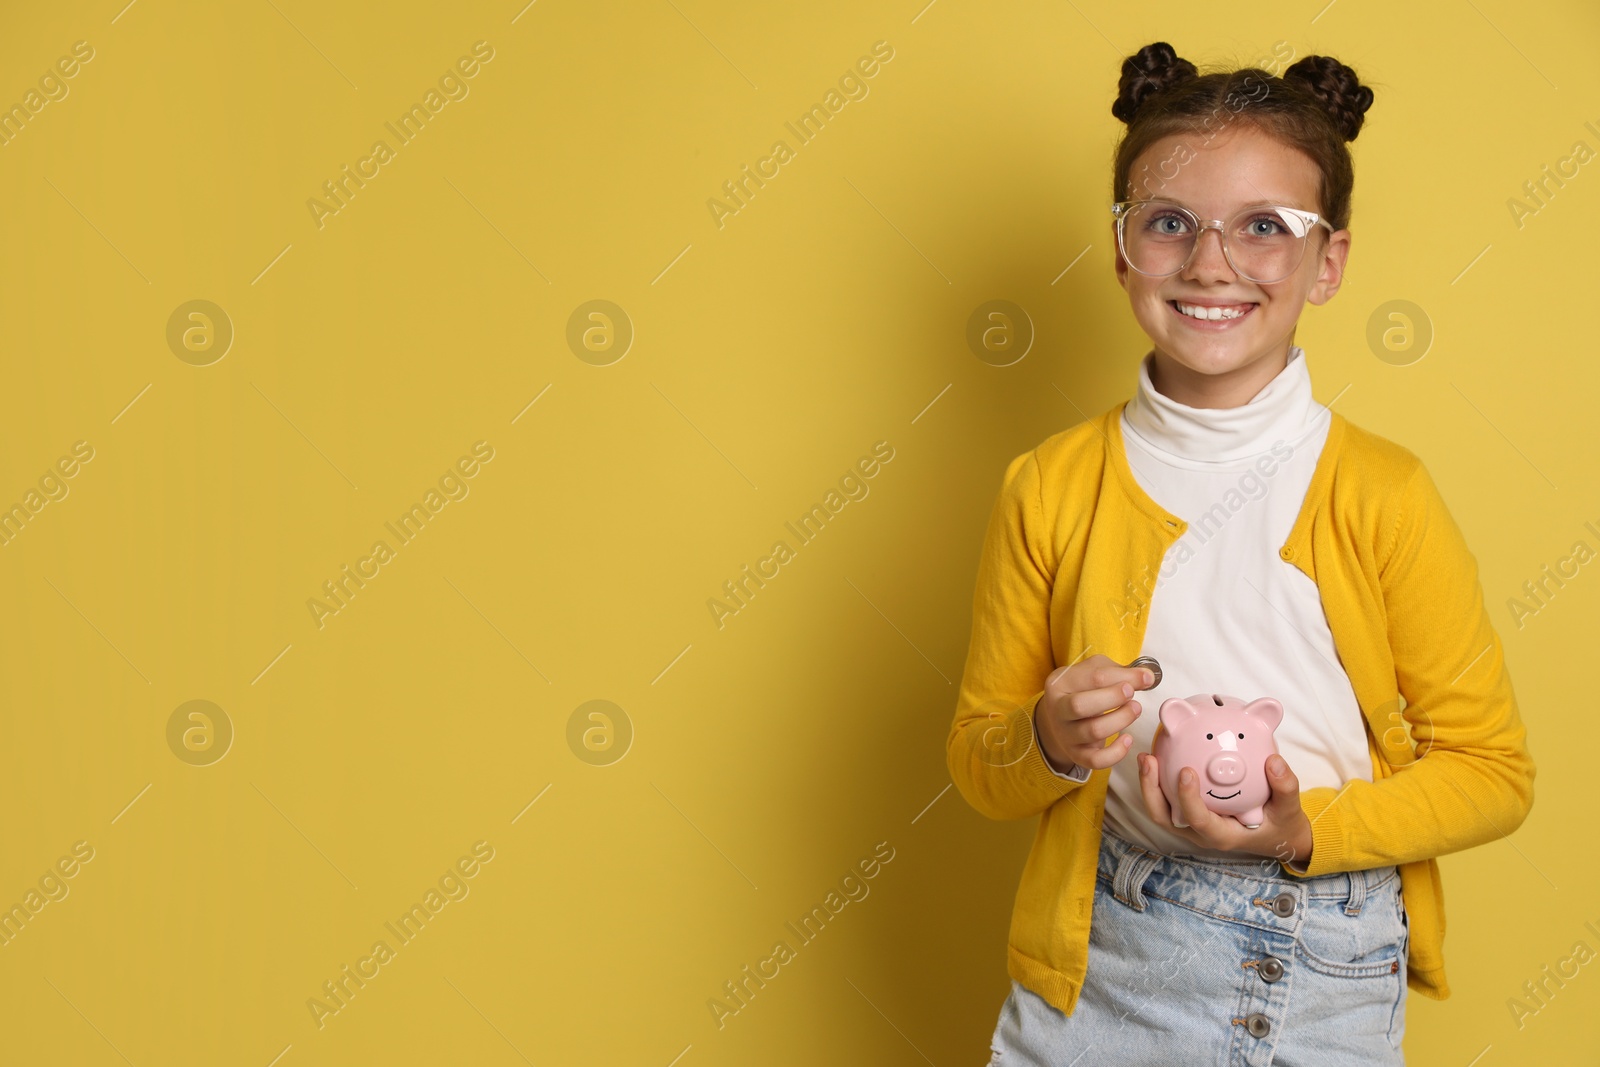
1224	364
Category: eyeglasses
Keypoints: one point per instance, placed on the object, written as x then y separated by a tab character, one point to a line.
1263	243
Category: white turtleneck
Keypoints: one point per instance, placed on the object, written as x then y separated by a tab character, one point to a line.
1228	615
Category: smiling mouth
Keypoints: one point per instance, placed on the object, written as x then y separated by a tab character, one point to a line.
1230	796
1210	317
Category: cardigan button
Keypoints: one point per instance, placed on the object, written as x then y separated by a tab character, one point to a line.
1283	905
1257	1024
1286	552
1270	969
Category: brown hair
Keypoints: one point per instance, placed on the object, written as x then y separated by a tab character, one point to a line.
1316	106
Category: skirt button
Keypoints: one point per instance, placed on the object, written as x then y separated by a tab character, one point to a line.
1270	968
1283	905
1257	1024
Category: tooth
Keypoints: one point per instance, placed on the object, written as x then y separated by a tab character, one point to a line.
1210	313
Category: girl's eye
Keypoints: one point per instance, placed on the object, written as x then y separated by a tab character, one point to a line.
1169	224
1264	226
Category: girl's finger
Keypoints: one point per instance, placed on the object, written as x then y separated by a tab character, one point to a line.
1088	703
1155	801
1099	757
1200	818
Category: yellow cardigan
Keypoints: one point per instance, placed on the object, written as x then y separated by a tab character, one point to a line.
1067	570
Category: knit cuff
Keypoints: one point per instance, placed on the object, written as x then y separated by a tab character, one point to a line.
1327	833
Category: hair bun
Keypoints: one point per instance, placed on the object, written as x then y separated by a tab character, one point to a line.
1153	68
1338	90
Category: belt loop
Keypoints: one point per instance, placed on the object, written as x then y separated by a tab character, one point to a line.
1358	892
1133	867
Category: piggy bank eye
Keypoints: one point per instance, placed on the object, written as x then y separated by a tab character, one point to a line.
1241	737
1208	737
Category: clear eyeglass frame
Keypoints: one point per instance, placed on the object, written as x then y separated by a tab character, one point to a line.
1121	208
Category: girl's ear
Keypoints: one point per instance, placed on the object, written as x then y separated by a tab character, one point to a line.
1118	264
1335	253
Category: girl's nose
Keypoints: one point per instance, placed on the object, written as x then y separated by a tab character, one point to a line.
1209	260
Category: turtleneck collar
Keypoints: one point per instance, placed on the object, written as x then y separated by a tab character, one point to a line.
1284	410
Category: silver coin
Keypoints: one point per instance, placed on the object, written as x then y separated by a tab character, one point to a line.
1155	668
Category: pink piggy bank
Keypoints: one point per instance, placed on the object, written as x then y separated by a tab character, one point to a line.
1227	742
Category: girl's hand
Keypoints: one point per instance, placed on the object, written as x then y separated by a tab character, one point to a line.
1083	705
1284	834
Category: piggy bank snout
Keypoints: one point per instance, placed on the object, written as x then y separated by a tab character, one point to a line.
1225	768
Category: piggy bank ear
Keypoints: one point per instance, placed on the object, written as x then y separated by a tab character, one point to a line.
1267	710
1175	711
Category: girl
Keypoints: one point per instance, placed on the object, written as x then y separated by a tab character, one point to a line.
1227	530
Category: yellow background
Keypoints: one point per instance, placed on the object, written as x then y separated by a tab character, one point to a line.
770	755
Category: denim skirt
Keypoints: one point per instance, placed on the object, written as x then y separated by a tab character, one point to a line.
1203	962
